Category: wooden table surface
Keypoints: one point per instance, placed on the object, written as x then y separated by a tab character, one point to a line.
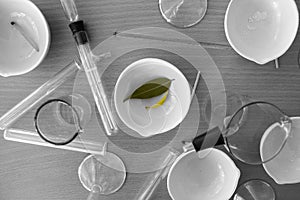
34	172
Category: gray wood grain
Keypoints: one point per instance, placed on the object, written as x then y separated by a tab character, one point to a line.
34	173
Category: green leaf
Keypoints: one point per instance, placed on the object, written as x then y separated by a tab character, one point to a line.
151	89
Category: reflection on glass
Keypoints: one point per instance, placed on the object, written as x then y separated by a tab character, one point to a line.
183	13
102	174
247	135
255	190
232	104
59	121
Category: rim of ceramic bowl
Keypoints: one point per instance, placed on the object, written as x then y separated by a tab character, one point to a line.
47	45
278	180
264	60
134	64
236	171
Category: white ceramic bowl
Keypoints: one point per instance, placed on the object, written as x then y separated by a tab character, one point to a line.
156	120
261	30
214	176
16	55
285	167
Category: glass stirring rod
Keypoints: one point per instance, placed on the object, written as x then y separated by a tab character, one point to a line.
89	66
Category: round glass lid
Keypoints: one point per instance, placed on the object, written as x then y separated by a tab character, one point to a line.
150	76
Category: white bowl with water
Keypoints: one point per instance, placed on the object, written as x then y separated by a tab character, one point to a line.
157	120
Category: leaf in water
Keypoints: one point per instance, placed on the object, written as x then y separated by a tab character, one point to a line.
160	102
151	89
